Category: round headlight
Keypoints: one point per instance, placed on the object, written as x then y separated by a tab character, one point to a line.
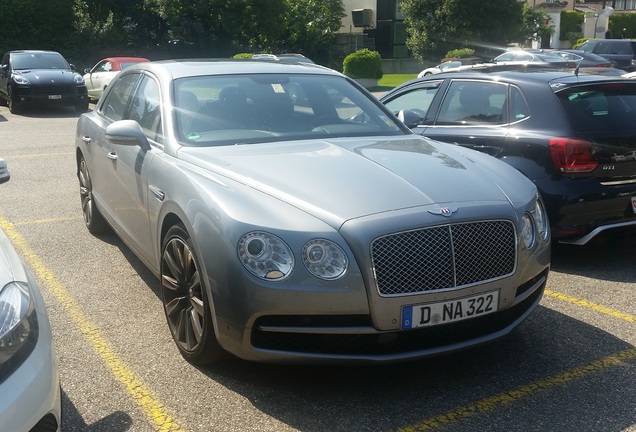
541	219
324	259
265	255
528	233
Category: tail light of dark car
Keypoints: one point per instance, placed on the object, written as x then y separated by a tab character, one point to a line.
572	155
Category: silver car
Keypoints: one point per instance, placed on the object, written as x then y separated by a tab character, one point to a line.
29	381
306	229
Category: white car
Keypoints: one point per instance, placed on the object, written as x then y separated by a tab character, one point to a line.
100	75
30	397
440	68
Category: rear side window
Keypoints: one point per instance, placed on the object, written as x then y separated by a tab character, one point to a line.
117	99
600	107
473	103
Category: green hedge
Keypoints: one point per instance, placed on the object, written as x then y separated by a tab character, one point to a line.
363	64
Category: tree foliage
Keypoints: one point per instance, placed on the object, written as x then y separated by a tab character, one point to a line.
437	26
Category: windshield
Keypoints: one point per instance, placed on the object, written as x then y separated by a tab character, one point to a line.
244	109
22	61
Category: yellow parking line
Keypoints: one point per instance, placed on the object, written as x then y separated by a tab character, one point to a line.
593	306
22	156
491	403
156	413
41	221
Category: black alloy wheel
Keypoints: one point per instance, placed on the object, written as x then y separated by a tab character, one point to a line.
185	300
93	219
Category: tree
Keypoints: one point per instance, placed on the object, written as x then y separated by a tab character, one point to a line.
311	26
223	27
437	26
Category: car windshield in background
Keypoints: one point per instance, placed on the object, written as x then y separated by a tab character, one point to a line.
39	61
600	108
245	109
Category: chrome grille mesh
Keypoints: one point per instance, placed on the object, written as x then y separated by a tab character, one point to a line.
443	257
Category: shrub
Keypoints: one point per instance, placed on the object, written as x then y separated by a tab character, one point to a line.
460	53
363	64
242	55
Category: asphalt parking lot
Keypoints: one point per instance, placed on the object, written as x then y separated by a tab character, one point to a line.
570	367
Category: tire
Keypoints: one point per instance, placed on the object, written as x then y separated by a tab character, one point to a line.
185	301
81	106
14	106
93	219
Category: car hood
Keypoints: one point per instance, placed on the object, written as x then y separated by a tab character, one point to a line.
48	76
356	177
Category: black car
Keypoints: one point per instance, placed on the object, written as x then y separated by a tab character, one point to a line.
40	77
573	134
621	52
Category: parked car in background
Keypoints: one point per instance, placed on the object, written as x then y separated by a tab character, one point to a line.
305	230
40	78
544	58
566	132
30	398
621	52
584	59
449	65
100	75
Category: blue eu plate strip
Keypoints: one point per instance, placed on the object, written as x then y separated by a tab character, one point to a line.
407	317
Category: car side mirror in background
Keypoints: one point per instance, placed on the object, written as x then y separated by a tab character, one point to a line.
409	118
4	172
72	67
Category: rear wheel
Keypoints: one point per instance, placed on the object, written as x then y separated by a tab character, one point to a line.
185	300
93	219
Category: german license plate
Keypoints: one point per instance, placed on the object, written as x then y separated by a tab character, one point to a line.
634	204
55	96
430	314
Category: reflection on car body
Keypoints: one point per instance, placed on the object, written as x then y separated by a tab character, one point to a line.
301	229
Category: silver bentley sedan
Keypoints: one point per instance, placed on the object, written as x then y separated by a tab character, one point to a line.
291	218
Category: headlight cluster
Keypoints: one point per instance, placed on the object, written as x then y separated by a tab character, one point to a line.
268	257
20	79
18	326
534	225
78	79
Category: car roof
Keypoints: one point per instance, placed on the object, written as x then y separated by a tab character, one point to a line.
200	67
33	52
530	75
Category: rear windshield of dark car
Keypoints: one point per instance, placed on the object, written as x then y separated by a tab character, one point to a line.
600	107
23	61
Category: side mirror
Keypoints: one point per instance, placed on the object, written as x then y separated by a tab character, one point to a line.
87	70
4	172
72	66
409	118
128	133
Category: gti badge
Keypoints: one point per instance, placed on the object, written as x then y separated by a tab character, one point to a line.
443	211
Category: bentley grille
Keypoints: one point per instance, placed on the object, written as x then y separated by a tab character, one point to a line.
443	257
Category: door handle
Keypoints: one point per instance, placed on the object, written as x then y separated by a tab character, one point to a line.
86	139
112	156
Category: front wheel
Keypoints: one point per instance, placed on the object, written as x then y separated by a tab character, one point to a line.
14	105
185	300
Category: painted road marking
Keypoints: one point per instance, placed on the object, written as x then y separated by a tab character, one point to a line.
161	419
491	403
